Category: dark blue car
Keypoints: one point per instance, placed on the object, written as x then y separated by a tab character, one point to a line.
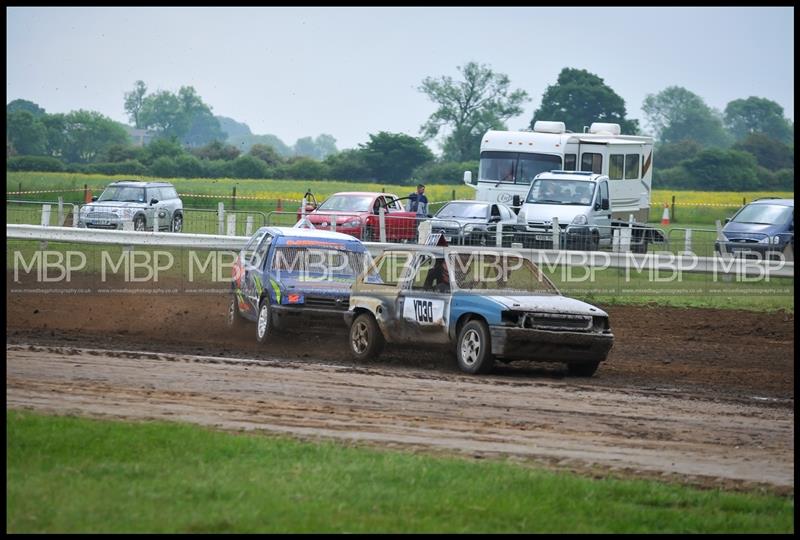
764	228
286	275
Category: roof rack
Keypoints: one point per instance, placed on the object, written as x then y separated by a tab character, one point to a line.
585	173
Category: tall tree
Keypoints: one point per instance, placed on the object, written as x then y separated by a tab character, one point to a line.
579	98
675	114
469	108
134	101
757	115
89	134
25	105
26	133
393	156
183	115
769	153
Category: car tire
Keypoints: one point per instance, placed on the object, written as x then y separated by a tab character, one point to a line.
365	338
369	234
583	369
235	319
594	242
474	348
264	323
139	223
177	223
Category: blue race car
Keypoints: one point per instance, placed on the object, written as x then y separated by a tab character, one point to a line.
486	305
286	275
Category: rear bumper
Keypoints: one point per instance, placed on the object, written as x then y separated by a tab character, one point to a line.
550	346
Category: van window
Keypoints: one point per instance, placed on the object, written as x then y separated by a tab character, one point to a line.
570	160
615	165
169	193
592	162
632	166
154	193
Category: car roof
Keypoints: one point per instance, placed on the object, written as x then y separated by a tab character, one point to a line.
371	193
775	200
136	183
297	232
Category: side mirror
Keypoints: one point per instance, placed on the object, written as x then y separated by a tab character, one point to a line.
516	201
468	177
94	198
153	201
604	204
727	220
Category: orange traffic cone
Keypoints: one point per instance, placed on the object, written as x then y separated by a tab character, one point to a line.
665	215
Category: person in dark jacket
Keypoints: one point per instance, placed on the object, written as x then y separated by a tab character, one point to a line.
418	202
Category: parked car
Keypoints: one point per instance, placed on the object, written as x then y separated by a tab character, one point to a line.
288	275
137	202
763	228
475	222
484	305
357	213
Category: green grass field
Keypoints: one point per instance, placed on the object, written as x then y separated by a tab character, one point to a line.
74	475
262	195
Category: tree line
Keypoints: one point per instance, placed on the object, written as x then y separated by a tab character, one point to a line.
748	146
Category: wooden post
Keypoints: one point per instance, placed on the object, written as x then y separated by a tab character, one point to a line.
233	201
453	196
673	210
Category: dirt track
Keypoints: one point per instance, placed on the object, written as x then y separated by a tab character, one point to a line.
704	395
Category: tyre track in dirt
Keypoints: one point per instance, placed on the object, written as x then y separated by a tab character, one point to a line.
545	421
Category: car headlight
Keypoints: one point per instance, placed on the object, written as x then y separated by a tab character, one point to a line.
352	223
471	227
776	239
765	240
127	213
580	219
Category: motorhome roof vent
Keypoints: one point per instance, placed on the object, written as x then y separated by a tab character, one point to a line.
542	126
605	128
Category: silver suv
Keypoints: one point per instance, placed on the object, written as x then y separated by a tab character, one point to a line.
141	203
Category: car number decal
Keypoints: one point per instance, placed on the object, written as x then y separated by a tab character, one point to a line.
424	310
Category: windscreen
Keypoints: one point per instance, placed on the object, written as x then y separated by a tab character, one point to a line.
764	214
515	167
500	273
349	203
463	210
318	264
569	192
122	194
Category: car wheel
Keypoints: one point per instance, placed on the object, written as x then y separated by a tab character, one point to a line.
264	325
177	223
139	223
474	348
235	319
369	234
584	369
366	339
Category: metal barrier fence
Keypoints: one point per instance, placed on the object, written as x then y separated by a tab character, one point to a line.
120	216
391	228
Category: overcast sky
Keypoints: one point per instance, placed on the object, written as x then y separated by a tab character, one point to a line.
348	72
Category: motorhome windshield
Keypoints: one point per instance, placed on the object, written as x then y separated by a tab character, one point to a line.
515	167
569	192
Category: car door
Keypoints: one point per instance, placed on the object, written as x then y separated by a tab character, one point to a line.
253	281
423	313
603	216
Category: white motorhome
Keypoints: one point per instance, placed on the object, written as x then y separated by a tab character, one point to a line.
510	160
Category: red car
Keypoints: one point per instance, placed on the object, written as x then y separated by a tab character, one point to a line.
356	214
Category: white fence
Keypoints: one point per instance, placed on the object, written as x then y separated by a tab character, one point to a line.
598	260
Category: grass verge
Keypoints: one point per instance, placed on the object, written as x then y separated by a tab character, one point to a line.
68	474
